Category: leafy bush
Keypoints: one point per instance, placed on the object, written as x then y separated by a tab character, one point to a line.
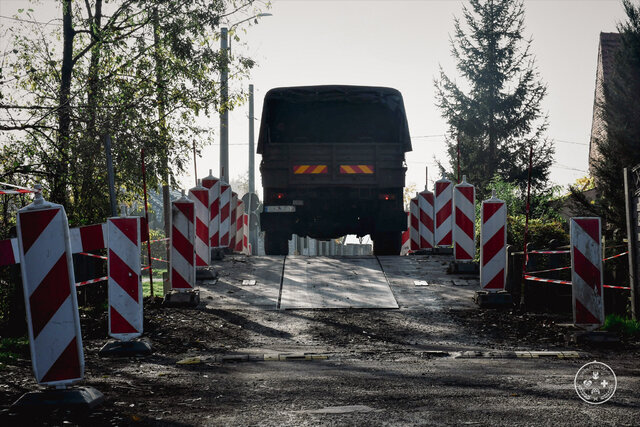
541	232
622	326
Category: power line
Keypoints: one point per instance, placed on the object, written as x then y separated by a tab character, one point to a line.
32	21
426	136
570	142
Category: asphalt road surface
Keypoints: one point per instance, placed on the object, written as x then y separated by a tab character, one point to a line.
342	341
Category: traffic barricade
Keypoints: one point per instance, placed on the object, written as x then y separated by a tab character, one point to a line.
586	272
200	196
464	243
414	224
425	203
442	209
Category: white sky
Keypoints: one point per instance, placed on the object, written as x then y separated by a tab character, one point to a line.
400	44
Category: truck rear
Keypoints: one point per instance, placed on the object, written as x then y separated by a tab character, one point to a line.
333	164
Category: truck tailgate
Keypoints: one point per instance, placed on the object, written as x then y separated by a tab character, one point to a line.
334	164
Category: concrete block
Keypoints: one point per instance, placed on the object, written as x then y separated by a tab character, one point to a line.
125	349
594	338
182	299
68	398
463	268
206	273
493	299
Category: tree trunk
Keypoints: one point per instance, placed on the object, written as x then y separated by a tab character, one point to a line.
162	125
89	200
61	168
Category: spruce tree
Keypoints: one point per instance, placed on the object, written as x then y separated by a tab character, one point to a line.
495	114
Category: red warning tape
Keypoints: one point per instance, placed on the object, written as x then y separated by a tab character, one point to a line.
92	255
616	256
86	282
100	279
551	269
18	189
158	259
153	241
566	268
540	279
564	282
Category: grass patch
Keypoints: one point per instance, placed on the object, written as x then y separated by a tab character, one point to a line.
158	287
621	325
12	349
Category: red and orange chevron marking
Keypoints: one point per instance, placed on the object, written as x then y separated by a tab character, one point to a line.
309	169
352	169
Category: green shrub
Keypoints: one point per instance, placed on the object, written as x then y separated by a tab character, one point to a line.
622	326
541	232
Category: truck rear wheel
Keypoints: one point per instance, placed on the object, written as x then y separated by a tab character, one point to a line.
275	243
388	243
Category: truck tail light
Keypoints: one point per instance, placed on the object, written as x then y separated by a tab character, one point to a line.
385	196
279	196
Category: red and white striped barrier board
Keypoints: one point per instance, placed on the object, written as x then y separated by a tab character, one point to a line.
232	226
88	238
245	238
83	239
225	213
200	197
49	293
414	224
493	245
239	226
406	241
9	253
183	258
213	184
586	272
443	209
125	285
425	203
464	227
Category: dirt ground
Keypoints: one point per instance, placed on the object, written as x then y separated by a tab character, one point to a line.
215	366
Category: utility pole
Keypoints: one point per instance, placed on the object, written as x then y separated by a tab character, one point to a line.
224	112
253	233
252	171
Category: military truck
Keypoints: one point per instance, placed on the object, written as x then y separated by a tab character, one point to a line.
333	163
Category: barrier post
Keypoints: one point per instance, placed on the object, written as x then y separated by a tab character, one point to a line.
493	254
124	288
225	214
414	224
586	273
51	305
200	197
425	203
239	226
213	184
182	269
232	226
442	209
464	232
406	240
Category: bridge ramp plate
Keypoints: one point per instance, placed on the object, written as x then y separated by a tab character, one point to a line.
328	282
